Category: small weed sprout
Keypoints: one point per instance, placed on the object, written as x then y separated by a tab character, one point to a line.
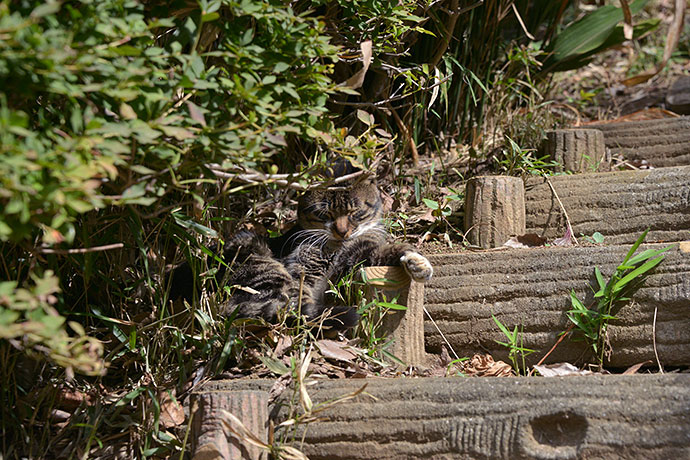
596	238
516	350
451	367
519	161
610	296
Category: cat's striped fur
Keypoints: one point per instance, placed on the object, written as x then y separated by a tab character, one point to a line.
336	230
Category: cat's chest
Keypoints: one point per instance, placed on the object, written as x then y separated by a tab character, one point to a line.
312	261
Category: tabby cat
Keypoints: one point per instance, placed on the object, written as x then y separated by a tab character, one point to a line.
336	230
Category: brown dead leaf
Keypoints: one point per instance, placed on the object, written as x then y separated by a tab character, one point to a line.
560	369
357	79
651	113
335	350
196	113
279	386
71	399
284	342
528	240
485	366
445	356
172	413
388	202
357	372
635	367
627	20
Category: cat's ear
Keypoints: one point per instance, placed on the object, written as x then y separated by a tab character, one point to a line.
337	166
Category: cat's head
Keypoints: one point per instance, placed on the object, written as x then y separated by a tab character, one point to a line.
352	211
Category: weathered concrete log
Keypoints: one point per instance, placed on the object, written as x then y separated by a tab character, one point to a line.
406	328
494	210
662	143
620	205
530	288
210	440
577	150
612	417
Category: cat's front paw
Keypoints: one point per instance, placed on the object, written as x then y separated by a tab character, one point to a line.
417	266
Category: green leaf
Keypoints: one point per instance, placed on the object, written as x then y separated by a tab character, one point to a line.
45	9
275	366
126	50
575	302
503	329
600	279
208	17
586	35
431	203
365	117
280	67
639	271
131	396
227	349
647	254
189	224
392	306
634	247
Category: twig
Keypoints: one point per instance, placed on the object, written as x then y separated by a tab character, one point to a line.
565	214
439	331
522	24
106	247
286	180
408	136
450	28
656	355
560	339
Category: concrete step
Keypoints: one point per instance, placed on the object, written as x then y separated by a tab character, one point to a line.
530	288
620	205
664	142
612	417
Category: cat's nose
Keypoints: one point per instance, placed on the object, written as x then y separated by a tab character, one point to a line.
341	227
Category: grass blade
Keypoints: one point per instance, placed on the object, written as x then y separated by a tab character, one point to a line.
634	247
639	271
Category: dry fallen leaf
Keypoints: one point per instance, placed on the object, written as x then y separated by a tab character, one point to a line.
565	240
635	367
560	369
284	342
71	399
528	240
172	413
357	79
335	350
485	366
279	386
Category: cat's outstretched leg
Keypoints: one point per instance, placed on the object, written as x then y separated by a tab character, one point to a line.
417	266
374	250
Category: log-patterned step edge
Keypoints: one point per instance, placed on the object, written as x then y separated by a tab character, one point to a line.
530	288
612	417
620	205
662	143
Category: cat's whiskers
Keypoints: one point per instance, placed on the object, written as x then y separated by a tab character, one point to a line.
302	236
371	227
315	205
313	237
